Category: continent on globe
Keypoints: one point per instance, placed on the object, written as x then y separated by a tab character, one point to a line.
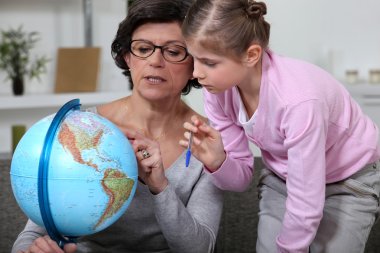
118	187
76	136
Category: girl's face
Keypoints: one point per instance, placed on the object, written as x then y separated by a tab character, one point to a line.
154	77
216	73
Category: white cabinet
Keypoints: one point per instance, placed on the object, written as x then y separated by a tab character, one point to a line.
28	109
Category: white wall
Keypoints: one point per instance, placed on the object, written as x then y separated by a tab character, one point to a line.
337	35
334	34
61	24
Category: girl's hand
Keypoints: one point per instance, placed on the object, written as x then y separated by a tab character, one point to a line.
47	245
207	144
148	155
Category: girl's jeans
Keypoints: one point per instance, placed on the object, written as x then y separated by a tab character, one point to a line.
350	210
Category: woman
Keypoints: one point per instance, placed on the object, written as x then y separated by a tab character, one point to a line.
175	209
321	190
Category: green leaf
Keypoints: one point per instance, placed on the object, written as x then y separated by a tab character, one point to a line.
15	54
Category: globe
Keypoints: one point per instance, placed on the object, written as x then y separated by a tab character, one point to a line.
91	173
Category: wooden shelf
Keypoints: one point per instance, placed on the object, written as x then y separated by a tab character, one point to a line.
34	101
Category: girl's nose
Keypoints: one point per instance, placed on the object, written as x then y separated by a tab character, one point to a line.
197	73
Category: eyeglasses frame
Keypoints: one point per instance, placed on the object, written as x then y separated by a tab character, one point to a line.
154	50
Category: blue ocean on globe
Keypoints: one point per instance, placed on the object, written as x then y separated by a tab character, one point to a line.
92	173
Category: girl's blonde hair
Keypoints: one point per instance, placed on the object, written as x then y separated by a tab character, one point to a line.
227	26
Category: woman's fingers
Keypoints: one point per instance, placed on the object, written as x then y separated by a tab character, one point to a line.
143	143
45	245
70	248
149	159
131	134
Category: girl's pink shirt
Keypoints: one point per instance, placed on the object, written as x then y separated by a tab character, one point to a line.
310	133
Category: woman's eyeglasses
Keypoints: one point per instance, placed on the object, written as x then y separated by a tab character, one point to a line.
171	53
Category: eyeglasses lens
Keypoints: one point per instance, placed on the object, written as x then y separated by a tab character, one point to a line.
171	53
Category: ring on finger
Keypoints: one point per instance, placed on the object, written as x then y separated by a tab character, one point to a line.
145	153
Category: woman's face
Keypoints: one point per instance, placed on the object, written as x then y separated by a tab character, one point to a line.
154	77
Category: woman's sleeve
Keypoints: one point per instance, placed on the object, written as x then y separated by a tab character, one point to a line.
235	174
190	227
30	233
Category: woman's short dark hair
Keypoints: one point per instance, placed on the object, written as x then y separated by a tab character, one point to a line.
141	12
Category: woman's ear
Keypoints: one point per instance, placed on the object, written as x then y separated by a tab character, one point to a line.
253	54
127	59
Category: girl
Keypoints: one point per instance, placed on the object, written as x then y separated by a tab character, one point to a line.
320	191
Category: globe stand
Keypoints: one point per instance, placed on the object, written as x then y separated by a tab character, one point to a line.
43	170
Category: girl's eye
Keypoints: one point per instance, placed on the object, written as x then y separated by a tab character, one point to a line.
209	64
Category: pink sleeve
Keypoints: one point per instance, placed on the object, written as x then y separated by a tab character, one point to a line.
305	128
235	174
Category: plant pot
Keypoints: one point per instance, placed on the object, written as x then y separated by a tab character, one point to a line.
18	86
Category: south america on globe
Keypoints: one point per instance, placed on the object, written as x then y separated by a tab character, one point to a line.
92	173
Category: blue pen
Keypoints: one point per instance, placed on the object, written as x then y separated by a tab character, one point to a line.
188	152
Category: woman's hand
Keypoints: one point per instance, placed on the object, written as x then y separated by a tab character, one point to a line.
207	144
47	245
148	154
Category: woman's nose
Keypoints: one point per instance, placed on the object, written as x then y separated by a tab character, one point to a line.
156	59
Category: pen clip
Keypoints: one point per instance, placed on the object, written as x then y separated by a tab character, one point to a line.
190	141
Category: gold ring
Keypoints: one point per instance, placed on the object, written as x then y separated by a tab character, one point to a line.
145	154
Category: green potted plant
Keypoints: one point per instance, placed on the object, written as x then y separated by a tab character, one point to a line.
15	58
